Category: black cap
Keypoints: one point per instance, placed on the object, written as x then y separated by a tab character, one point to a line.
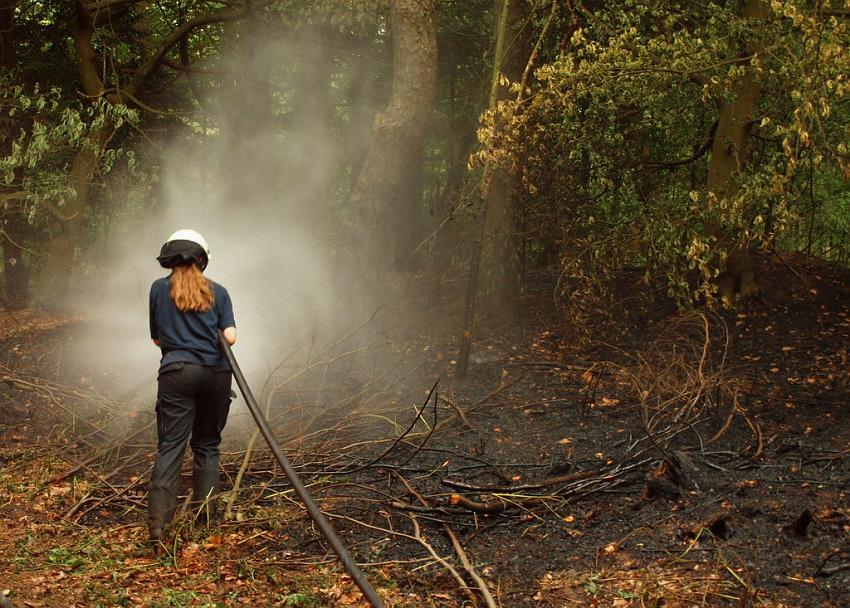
182	253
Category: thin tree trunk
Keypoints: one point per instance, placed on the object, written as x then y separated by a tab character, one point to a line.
471	300
57	274
729	155
15	270
502	241
460	141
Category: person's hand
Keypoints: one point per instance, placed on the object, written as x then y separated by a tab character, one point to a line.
230	335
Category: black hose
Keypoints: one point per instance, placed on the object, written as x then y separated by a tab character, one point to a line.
312	508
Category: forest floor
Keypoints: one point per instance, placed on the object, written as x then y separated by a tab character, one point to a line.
674	460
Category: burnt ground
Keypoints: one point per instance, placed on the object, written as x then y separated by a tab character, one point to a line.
674	460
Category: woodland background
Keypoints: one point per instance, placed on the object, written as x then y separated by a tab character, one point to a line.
614	232
585	139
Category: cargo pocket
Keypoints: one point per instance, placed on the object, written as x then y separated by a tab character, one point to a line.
171	367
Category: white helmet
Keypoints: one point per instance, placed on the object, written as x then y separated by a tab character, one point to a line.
185	247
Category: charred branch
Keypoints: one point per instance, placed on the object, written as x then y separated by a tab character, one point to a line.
552	481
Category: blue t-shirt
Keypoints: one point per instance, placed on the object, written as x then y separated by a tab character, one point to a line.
189	336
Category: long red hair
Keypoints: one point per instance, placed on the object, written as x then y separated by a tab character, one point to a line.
190	289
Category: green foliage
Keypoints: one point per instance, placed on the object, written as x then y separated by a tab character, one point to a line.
62	557
49	130
614	140
301	600
183	599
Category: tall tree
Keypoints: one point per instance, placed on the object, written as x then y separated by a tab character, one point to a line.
384	207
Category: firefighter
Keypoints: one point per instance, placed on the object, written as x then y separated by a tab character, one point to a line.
187	312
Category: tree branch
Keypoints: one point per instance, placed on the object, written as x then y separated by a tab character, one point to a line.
147	69
12	196
105	5
100	13
56	213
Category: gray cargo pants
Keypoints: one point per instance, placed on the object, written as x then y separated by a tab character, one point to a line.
192	400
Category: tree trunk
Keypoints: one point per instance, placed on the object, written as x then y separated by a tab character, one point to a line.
7	33
14	224
471	301
363	72
384	208
55	277
15	271
502	241
729	154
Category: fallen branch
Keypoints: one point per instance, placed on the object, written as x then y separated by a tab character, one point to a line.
552	481
460	413
833	570
482	586
823	571
479	582
406	506
492	507
82	465
417	534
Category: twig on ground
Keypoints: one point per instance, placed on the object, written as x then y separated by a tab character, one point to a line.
482	586
479	582
460	413
503	386
417	535
99	454
498	504
823	571
552	481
